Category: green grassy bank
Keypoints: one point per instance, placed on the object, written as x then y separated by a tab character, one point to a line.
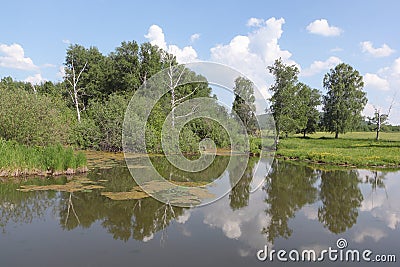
356	149
17	159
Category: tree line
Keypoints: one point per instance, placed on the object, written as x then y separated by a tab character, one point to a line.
86	109
294	105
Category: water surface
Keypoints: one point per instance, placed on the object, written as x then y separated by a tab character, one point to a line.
298	207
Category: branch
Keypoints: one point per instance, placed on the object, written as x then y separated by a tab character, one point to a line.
70	83
180	99
179	77
190	113
34	88
391	105
79	75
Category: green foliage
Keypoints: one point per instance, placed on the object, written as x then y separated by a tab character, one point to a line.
344	100
293	104
85	135
255	145
125	67
92	82
243	105
15	156
109	117
307	113
282	100
32	119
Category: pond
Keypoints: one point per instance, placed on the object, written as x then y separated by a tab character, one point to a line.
299	207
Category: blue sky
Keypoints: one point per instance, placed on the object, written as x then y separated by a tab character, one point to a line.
315	35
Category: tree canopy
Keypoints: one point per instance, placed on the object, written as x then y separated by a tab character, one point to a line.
345	99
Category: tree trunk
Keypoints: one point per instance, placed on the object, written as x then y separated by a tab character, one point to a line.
378	128
78	112
336	134
304	134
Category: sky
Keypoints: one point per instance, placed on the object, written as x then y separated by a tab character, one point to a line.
248	36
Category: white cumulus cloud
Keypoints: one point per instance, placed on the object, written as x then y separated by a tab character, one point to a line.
252	53
383	51
396	67
374	233
318	66
35	79
194	37
254	22
322	27
369	110
156	36
61	72
373	81
13	56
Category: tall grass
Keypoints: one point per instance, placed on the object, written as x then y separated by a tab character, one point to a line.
14	156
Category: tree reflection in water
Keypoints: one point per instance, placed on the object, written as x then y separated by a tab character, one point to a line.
287	189
239	196
341	197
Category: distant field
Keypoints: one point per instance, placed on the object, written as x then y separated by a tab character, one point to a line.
357	149
392	136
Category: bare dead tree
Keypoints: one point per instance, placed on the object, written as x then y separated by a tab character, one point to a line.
380	118
75	90
175	76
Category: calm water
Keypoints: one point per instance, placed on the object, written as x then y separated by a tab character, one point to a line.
298	207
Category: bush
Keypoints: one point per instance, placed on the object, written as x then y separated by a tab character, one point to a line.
33	119
86	134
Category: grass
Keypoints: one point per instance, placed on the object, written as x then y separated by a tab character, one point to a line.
356	149
16	157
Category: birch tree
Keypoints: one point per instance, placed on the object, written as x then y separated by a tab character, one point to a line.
176	75
345	99
74	90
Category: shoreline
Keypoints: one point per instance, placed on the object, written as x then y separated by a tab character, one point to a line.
42	173
340	165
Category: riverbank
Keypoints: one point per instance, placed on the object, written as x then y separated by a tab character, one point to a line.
353	149
20	160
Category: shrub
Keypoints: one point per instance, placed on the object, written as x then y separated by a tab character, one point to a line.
33	119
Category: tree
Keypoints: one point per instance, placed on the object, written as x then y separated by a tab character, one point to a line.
126	66
152	60
293	104
282	100
379	119
309	99
344	100
73	79
86	73
243	105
